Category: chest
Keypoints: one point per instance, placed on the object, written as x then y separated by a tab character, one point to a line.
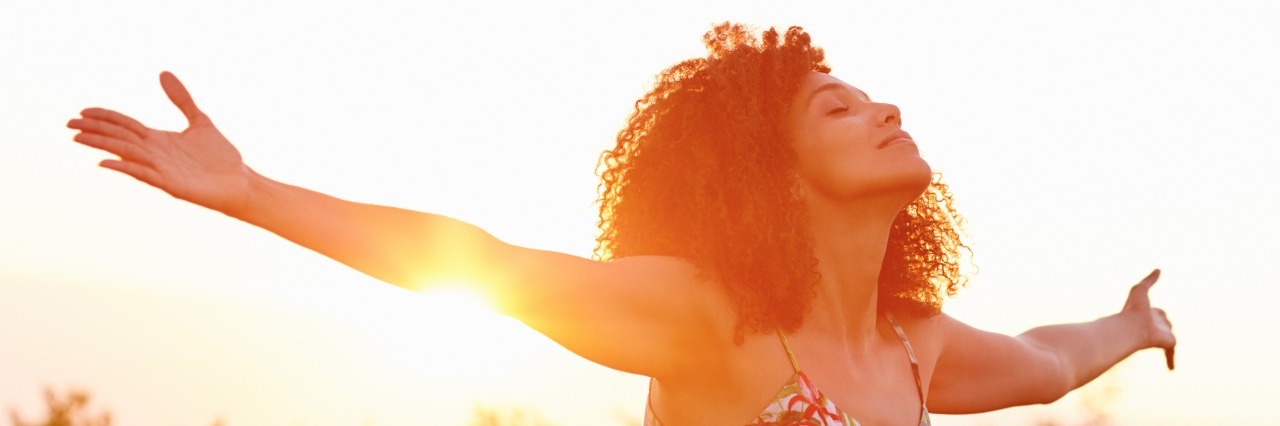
874	388
871	393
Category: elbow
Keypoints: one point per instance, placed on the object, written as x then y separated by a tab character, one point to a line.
1057	380
1046	375
1047	392
395	276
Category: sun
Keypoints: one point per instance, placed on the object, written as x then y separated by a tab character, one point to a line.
457	302
458	333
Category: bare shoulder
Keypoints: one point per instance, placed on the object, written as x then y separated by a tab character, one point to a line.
927	337
924	330
674	278
686	288
672	269
677	284
935	333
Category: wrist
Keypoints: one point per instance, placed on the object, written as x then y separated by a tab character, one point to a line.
253	188
1132	328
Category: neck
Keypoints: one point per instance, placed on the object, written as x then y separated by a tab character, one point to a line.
849	240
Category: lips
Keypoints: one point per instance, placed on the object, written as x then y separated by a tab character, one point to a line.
895	136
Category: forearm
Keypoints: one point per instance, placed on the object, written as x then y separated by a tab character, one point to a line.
1044	363
1084	351
402	247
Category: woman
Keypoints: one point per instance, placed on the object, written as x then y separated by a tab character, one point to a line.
773	251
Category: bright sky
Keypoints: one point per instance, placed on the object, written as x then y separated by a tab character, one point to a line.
1086	143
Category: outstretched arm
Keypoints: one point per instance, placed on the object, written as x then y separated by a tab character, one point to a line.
623	314
979	371
201	166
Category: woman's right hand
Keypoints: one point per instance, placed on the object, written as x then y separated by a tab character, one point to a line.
198	164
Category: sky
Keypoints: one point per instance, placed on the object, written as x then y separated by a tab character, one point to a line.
1085	142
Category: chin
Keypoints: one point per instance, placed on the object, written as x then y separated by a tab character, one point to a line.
921	177
910	182
898	184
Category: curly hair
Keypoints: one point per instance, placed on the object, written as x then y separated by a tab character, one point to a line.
704	171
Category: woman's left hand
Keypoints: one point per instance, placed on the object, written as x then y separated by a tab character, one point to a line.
1152	321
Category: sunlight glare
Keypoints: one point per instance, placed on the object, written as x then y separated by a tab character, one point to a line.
457	302
480	340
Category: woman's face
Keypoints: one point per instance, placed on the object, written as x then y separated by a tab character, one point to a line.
848	147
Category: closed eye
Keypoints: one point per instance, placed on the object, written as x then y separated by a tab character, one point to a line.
839	110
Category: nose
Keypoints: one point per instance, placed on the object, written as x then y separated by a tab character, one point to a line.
890	114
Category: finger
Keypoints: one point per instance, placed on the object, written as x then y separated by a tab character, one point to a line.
180	97
1151	278
137	171
104	128
1168	357
117	119
1139	291
118	147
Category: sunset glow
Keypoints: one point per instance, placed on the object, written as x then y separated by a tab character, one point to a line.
456	301
1085	142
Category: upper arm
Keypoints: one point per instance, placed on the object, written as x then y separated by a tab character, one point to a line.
981	371
650	315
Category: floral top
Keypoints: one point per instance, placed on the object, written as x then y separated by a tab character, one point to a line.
800	403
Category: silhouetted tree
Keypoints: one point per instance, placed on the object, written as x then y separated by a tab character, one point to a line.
72	410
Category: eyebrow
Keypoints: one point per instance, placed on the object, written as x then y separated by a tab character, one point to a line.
833	86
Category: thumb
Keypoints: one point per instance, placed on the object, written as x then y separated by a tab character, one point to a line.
1139	291
180	97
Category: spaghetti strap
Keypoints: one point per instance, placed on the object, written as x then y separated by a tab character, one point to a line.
801	401
648	407
915	366
794	365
